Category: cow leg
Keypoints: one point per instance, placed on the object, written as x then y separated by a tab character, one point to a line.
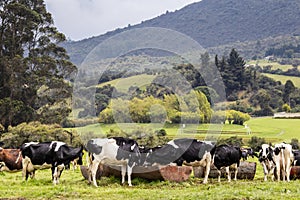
54	175
59	170
288	170
123	173
265	171
129	172
207	167
272	172
32	174
93	167
219	175
235	171
228	173
25	163
278	169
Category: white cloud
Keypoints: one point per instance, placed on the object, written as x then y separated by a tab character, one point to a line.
79	19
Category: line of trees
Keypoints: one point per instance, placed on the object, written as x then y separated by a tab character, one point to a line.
190	108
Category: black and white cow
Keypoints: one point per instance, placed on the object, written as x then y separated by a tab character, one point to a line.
247	152
283	157
116	151
226	156
185	150
296	157
266	159
53	154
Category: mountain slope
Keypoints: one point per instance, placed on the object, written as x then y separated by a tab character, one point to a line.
215	22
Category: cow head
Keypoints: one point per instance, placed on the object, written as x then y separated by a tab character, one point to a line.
128	149
93	147
265	149
278	148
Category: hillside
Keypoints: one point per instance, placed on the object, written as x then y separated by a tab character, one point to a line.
216	23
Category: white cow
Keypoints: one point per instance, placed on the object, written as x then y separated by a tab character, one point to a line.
283	157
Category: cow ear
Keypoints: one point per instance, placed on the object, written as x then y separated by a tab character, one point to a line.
271	149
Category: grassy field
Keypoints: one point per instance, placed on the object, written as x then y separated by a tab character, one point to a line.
275	65
123	84
273	130
283	79
73	185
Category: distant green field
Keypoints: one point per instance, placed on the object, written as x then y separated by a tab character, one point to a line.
123	84
283	79
273	130
275	65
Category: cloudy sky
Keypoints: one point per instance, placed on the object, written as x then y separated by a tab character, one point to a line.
79	19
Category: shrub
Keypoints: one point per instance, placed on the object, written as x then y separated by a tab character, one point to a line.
286	108
218	117
256	142
234	140
37	132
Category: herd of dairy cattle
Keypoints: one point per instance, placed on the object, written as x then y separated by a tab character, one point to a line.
276	160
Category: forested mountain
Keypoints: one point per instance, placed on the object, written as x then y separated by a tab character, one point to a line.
216	23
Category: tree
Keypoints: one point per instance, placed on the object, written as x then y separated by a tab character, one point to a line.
237	66
232	71
33	69
289	88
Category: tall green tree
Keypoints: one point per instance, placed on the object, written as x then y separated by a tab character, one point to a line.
237	66
34	69
289	88
232	71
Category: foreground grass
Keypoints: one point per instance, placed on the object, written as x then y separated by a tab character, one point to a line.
73	186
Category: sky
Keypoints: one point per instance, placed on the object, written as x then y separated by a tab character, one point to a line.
80	19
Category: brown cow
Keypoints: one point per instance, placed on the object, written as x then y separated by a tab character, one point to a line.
10	160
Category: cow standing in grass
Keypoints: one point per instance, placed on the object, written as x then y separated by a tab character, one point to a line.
283	157
226	156
266	158
49	154
116	151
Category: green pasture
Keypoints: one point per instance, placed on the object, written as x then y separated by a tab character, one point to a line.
74	186
273	130
123	84
275	65
283	79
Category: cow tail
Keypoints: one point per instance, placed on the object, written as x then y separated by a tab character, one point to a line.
19	157
89	159
212	153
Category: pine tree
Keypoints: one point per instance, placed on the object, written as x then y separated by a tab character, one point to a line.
232	71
